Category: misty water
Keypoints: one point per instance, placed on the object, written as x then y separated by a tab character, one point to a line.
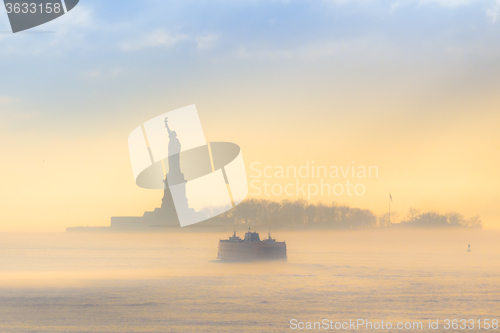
170	283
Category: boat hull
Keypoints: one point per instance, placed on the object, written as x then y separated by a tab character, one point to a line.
252	251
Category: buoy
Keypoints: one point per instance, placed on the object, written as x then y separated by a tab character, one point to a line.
468	250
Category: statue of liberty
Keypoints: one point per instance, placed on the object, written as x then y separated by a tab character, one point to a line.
174	151
174	176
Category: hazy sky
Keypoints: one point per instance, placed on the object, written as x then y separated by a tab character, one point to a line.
411	87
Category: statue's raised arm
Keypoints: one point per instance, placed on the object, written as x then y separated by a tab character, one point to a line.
166	125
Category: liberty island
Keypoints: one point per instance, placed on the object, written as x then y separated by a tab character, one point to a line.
165	217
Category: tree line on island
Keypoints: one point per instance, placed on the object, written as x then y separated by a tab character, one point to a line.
300	214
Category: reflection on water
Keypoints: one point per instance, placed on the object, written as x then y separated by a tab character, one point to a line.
169	282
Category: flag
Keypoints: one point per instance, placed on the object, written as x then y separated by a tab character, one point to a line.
390	196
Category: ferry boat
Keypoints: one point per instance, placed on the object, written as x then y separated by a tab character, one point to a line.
251	248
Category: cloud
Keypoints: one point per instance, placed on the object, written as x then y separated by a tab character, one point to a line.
82	18
103	73
448	3
443	3
161	37
394	6
156	38
64	34
206	42
262	54
492	13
